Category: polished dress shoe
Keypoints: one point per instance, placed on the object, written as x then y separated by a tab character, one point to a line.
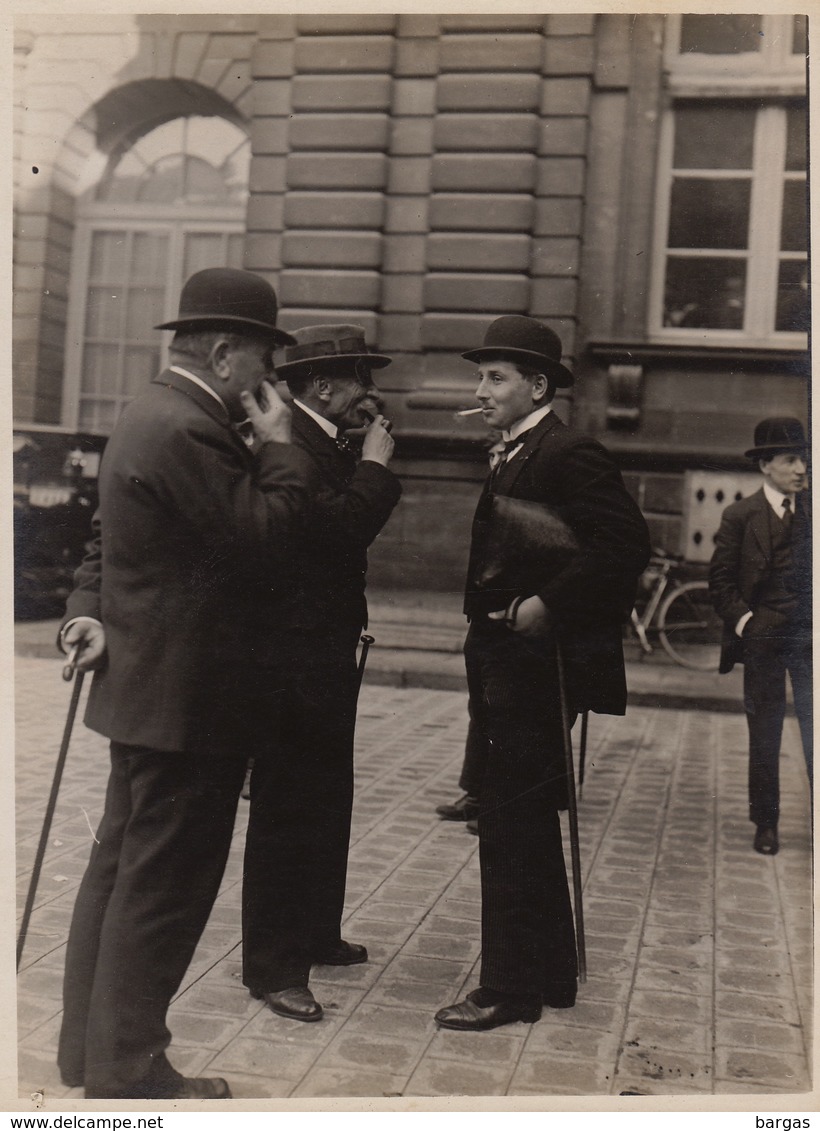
342	954
766	842
461	810
164	1083
296	1002
560	995
483	1009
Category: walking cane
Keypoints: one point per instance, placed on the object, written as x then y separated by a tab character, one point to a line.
366	642
582	757
68	673
572	808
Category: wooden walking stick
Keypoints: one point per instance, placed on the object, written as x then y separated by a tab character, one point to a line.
68	673
572	809
366	642
582	756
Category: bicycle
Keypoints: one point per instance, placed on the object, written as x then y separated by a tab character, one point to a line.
687	625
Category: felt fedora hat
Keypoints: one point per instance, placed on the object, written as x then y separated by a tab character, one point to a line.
777	434
518	338
313	346
224	298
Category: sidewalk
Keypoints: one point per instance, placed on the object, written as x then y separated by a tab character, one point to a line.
699	951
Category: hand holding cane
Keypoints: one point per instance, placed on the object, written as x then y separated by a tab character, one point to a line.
572	809
68	673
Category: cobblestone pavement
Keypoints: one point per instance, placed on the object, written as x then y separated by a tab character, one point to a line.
699	951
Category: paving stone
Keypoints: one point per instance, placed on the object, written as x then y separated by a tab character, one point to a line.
655	1033
680	1007
752	1034
539	1074
754	1066
757	1007
344	1082
675	1071
498	1047
450	1077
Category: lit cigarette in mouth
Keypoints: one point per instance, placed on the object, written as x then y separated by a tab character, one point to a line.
469	411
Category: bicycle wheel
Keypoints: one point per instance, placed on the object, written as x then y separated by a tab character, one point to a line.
689	628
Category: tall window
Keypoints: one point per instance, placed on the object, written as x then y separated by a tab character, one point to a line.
732	225
171	204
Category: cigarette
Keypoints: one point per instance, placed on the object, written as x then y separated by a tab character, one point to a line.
469	411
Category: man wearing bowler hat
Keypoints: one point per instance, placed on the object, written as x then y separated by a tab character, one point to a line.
760	582
301	789
194	533
528	953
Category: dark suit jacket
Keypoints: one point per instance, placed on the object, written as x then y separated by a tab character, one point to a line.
591	597
194	528
742	564
352	504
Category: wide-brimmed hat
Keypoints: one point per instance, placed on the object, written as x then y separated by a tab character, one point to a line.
318	345
777	434
224	298
518	338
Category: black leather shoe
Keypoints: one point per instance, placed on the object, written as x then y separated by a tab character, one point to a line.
342	954
560	995
165	1083
461	810
469	1016
297	1003
766	841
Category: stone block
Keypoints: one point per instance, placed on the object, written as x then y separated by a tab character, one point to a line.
336	170
402	293
560	176
455	332
555	256
292	317
333	209
265	212
414	97
494	92
489	21
569	24
481	212
358	24
490	52
272	97
329	288
493	252
486	132
558	216
554	297
421	26
341	92
416	57
566	96
273	58
358	53
501	293
563	136
568	55
400	332
411	136
405	254
263	251
338	131
331	249
267	174
409	176
406	214
460	172
269	135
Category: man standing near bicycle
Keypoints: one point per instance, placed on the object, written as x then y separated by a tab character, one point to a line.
760	582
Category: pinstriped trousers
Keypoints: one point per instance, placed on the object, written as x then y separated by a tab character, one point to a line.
527	932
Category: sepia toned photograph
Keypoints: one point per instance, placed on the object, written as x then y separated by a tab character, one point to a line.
412	560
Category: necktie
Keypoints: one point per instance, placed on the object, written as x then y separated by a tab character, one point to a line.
788	514
245	430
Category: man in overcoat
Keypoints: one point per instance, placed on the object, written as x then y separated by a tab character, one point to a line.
760	583
192	529
301	789
528	952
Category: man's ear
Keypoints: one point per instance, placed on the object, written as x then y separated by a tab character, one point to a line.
540	389
219	359
322	388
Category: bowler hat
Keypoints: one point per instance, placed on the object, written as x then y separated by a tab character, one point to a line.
518	338
225	298
777	434
312	345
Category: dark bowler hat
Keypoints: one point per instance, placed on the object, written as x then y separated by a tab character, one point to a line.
777	434
223	298
518	338
312	345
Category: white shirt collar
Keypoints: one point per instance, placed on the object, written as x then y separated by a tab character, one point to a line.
324	424
775	498
526	422
198	381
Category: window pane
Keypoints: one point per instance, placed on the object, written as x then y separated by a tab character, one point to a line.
108	256
148	257
793	229
103	315
709	213
203	249
708	293
796	137
793	297
236	247
140	365
164	183
100	368
800	42
713	136
144	311
98	416
204	183
720	35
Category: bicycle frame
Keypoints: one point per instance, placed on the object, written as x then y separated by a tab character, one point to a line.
641	624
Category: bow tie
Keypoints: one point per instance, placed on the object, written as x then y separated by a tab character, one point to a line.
345	444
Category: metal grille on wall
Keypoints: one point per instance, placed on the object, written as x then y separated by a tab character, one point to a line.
706	495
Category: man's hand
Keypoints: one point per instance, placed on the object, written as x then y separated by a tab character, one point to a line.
269	415
90	635
378	443
532	618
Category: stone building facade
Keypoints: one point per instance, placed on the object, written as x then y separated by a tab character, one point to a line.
420	175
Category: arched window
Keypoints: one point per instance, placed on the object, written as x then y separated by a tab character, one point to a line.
170	204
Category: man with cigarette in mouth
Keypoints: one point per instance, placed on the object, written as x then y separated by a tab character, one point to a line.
301	789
